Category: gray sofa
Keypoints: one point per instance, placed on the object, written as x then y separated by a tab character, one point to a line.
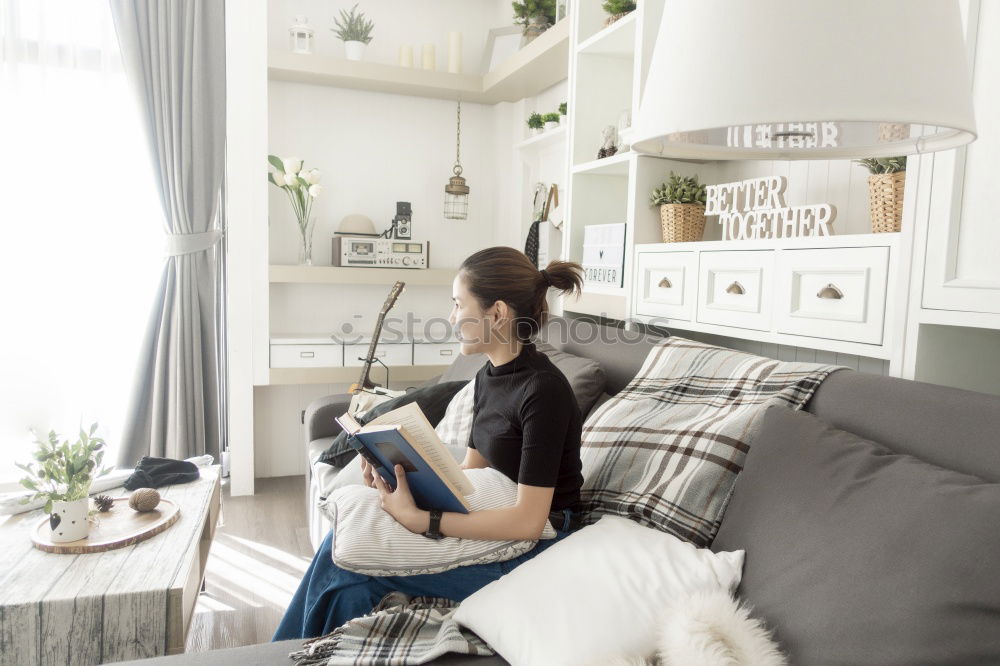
951	428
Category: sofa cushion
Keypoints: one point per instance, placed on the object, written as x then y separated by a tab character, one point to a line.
858	555
585	376
433	400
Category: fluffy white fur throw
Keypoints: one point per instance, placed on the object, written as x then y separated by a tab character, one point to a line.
709	629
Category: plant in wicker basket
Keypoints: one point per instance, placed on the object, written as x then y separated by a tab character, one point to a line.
682	208
885	191
616	9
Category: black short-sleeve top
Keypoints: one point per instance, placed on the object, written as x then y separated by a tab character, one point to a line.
527	424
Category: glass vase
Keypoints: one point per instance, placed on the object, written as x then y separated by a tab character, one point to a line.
306	242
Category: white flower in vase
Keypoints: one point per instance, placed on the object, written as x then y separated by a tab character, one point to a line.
292	165
291	180
315	190
313	176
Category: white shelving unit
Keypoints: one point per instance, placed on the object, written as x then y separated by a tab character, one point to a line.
537	66
295	274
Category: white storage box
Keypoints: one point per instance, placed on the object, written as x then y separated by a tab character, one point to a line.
303	351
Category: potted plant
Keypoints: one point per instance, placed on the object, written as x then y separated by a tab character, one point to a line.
616	9
535	123
551	120
302	186
62	478
535	15
682	208
562	109
885	191
355	30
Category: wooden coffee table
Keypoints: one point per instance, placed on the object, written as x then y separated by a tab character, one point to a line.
129	603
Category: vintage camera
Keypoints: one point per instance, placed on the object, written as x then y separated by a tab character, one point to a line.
402	224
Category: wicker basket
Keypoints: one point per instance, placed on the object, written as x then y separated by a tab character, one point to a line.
682	223
885	201
614	17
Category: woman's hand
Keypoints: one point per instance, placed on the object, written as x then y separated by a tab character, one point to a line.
399	503
368	472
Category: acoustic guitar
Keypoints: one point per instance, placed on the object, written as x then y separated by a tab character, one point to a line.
366	392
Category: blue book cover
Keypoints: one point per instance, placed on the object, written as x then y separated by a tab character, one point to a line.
385	446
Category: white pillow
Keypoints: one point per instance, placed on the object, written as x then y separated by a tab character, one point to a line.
455	427
367	540
593	596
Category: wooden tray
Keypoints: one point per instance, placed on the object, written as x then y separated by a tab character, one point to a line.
119	527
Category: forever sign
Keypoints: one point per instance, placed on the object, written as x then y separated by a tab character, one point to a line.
755	209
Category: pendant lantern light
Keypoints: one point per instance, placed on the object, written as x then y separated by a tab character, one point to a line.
456	192
816	79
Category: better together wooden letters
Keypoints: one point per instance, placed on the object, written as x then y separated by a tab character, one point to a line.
755	209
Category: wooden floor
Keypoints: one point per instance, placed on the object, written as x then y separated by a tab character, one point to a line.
258	557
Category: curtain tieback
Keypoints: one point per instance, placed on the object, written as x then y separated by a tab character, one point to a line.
180	244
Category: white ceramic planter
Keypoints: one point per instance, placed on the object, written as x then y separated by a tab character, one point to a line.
69	520
355	50
551	125
534	131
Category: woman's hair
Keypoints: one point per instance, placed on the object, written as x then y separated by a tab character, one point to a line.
505	274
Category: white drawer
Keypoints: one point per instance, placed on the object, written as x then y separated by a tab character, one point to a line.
734	288
667	284
390	353
838	293
307	356
435	353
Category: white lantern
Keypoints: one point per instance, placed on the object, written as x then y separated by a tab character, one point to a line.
300	36
823	79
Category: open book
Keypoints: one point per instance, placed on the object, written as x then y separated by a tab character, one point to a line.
404	436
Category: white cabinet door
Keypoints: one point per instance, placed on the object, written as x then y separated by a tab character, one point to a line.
962	271
735	288
836	294
666	284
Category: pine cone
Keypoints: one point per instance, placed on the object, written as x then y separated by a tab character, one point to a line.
103	503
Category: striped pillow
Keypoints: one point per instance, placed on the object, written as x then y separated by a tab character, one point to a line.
455	427
367	540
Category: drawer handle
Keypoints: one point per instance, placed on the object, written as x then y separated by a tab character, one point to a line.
446	352
307	354
830	291
736	288
665	284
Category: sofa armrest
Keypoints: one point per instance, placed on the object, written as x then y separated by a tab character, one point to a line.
320	414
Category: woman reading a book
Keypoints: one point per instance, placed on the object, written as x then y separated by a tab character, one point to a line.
526	424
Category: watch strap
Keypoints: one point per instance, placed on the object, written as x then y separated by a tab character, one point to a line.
434	529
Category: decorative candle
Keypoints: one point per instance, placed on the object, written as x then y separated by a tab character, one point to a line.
428	53
406	56
455	52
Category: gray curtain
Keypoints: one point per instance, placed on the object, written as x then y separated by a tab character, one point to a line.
174	57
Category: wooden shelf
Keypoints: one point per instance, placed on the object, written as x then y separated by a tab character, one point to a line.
405	373
537	66
616	165
546	138
293	274
617	40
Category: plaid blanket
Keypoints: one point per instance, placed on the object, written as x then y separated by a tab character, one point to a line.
666	450
399	630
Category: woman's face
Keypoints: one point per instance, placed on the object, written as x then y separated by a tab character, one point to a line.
472	324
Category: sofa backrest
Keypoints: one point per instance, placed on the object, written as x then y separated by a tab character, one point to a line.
949	427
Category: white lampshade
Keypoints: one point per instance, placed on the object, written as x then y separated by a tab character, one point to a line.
806	79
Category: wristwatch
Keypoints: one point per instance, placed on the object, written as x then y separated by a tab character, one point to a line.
434	529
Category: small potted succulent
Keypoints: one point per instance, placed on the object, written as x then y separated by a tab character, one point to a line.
617	9
535	123
355	30
885	191
62	478
551	120
536	16
682	208
562	109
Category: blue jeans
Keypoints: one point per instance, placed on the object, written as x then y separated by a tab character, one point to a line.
329	596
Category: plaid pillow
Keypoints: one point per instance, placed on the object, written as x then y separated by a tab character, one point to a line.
455	427
666	449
